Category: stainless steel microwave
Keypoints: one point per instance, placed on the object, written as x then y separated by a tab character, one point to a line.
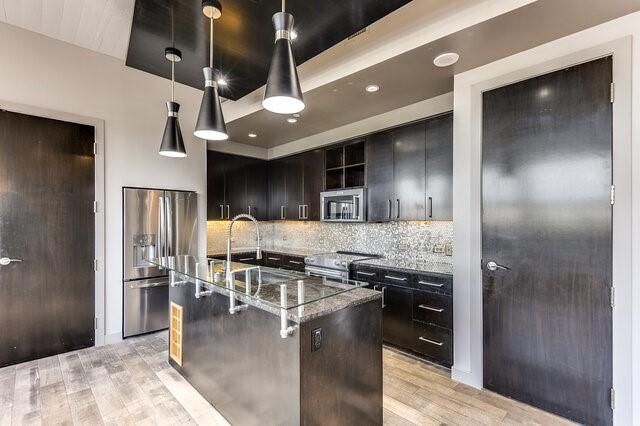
346	205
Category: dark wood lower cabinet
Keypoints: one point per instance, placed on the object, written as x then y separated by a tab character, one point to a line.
417	310
269	259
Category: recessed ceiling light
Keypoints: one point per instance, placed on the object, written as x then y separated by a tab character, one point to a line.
294	35
252	135
292	120
372	88
446	59
222	81
296	115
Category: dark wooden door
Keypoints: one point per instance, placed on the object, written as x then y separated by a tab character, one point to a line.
236	185
47	221
397	316
276	189
313	182
439	189
409	157
379	149
216	209
256	175
294	166
547	167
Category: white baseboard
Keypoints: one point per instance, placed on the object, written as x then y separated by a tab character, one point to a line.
465	377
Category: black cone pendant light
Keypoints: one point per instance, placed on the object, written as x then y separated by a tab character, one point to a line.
283	94
210	124
172	143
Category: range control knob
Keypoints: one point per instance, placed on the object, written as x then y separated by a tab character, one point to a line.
337	263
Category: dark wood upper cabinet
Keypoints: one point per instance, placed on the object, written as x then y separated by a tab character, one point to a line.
277	189
345	165
409	162
379	148
294	169
256	176
216	203
439	171
313	183
236	185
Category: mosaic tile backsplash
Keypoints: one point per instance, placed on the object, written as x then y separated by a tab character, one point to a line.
403	241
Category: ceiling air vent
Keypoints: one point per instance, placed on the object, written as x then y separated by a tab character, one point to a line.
356	34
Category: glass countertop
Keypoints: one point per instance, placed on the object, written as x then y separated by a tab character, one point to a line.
265	284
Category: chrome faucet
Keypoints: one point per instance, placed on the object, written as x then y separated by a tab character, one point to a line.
258	249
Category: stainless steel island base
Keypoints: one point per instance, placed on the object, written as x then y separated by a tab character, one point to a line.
329	371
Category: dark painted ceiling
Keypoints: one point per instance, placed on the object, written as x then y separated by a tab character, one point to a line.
243	36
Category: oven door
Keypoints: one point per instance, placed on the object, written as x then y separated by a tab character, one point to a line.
326	273
343	206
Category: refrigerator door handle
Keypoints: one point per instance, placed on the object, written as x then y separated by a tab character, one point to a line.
168	221
160	244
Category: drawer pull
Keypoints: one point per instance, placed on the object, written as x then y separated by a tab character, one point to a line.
429	308
390	277
273	258
433	342
366	274
430	284
295	262
245	259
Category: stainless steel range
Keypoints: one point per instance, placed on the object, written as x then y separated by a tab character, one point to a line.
334	264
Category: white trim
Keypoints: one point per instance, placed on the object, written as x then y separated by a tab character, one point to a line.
610	38
113	338
99	180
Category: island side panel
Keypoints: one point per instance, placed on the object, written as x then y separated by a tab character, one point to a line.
239	362
341	383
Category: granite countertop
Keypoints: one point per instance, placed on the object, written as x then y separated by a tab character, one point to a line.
272	249
411	265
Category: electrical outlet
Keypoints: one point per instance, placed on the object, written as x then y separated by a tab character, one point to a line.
438	248
316	339
448	249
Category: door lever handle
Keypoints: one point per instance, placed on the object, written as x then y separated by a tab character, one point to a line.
493	266
5	261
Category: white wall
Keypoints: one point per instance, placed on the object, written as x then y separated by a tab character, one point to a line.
46	73
622	38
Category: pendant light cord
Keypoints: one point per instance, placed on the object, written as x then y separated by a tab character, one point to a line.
211	42
173	79
283	5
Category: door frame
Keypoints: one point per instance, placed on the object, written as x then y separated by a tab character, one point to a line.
468	326
99	182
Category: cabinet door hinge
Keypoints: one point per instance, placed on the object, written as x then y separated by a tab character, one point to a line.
613	399
613	195
613	296
95	265
613	92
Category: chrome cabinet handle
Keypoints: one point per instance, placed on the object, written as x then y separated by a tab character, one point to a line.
430	284
429	308
246	258
433	342
300	214
389	209
395	278
384	305
295	262
366	274
273	258
221	211
493	266
430	205
282	212
5	261
398	210
249	210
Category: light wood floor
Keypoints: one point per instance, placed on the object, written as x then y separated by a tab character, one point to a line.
132	383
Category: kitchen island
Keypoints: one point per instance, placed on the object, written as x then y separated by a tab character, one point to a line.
274	346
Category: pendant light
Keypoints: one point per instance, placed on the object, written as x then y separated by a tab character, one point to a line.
210	124
283	94
172	143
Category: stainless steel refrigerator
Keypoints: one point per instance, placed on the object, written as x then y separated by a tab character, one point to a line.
157	223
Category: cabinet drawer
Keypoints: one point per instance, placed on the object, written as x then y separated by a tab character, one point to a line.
273	260
433	308
434	342
293	262
396	278
433	282
363	273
